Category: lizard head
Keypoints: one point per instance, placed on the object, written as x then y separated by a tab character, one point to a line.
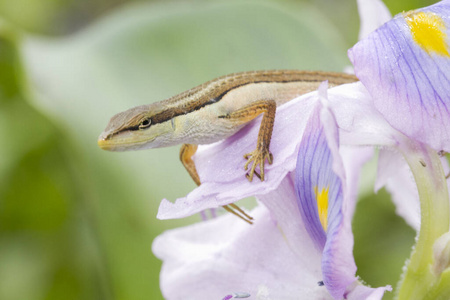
137	128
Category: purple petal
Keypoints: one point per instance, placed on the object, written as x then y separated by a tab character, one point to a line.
321	167
338	265
282	204
219	257
407	75
314	175
236	296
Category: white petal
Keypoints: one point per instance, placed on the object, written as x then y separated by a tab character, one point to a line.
362	292
359	121
372	14
395	175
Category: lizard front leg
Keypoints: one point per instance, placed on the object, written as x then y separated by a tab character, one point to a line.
186	153
259	156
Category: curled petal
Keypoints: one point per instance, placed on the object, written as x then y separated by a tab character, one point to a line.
325	202
320	194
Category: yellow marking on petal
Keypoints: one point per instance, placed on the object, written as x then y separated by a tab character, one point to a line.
322	205
428	31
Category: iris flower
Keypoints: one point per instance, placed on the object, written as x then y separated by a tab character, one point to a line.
300	246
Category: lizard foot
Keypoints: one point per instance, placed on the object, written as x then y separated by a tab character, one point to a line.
258	157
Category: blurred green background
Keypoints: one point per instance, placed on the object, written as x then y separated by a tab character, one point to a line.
77	222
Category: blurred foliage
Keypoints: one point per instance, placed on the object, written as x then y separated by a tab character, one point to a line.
383	242
77	222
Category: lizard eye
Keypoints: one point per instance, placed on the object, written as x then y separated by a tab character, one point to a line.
145	124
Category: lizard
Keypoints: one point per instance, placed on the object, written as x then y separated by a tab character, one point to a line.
214	111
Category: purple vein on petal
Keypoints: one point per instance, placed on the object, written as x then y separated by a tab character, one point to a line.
315	180
419	75
417	66
396	84
423	72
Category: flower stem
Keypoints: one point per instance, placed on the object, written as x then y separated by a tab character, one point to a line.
426	167
441	290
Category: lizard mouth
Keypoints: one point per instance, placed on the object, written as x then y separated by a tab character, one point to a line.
105	141
106	144
120	146
120	142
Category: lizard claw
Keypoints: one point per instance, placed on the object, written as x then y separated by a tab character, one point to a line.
258	157
254	173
